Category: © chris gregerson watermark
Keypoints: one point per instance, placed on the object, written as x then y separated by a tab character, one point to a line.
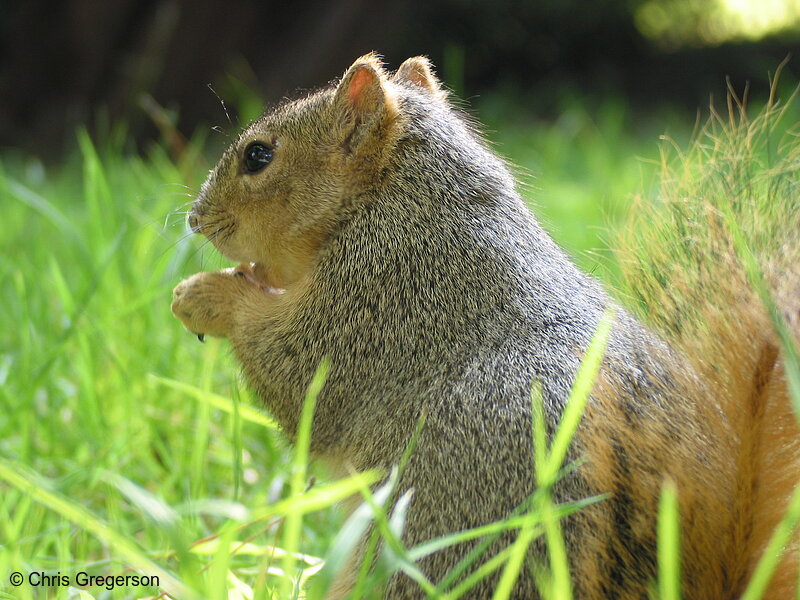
82	580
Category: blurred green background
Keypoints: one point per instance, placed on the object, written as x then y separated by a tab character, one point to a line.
106	117
89	63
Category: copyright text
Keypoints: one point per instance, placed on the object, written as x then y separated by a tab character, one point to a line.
82	580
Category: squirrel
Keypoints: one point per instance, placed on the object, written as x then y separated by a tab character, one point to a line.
375	227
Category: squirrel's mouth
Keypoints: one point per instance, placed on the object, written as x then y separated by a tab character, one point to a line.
257	274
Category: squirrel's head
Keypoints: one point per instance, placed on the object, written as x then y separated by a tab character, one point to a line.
291	176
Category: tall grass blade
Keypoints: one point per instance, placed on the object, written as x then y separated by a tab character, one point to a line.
579	396
246	413
297	482
516	558
669	554
774	550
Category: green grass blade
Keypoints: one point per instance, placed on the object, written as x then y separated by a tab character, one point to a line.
481	573
560	582
669	554
498	527
246	413
548	464
579	396
774	550
320	496
81	307
539	434
397	520
516	558
155	508
365	568
397	552
371	544
294	518
41	205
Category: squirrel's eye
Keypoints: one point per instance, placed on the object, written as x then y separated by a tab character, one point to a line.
257	156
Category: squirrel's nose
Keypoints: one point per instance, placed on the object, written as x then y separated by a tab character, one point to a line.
192	219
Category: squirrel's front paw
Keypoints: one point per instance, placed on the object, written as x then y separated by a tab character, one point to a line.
205	302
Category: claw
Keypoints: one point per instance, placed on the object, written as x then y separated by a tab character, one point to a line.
201	337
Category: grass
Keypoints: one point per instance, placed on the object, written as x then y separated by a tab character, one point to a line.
127	447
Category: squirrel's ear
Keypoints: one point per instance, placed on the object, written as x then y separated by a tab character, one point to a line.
419	71
362	92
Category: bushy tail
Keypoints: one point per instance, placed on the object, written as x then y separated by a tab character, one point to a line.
717	272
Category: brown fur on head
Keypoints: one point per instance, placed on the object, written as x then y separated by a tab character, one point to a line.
322	152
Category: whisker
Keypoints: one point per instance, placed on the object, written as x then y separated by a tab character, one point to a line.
217	229
167	218
177	184
183	209
221	101
174	244
219	129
